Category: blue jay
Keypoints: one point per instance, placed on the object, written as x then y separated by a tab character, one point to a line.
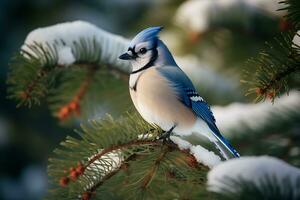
165	96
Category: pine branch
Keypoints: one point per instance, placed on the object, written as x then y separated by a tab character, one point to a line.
47	68
276	67
255	177
29	75
123	166
34	84
73	106
123	152
268	187
150	174
293	8
239	120
54	68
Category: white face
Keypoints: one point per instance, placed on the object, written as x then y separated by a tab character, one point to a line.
143	53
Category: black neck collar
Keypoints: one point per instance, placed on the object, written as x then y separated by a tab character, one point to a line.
151	62
142	69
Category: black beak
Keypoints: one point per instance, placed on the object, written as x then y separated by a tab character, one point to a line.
125	56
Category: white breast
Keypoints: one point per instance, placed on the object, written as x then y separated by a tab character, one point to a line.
158	103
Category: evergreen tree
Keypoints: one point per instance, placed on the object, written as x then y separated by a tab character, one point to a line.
278	66
123	158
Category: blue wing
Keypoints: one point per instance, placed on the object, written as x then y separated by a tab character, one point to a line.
188	95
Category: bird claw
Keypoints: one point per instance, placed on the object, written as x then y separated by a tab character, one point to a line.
165	137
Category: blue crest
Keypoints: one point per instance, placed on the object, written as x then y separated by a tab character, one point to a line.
146	35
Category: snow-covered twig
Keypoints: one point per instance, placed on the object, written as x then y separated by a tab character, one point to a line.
67	36
198	15
239	118
270	7
254	170
102	166
296	39
201	154
235	117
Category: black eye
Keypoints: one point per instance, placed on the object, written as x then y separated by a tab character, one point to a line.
143	50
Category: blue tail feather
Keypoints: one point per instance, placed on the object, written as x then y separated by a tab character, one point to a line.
227	145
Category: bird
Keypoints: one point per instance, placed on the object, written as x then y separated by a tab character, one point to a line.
164	95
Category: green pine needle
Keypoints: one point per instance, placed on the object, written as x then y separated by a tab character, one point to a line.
35	75
276	68
122	159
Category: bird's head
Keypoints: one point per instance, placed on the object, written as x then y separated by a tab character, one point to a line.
144	49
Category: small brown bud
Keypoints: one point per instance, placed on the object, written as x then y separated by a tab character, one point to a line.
259	91
80	169
74	175
64	181
24	95
86	196
72	169
74	105
271	95
285	25
63	113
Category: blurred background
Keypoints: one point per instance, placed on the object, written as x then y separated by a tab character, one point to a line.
211	39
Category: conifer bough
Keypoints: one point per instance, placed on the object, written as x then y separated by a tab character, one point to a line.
112	159
278	66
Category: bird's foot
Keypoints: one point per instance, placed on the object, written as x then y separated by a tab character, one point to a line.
165	137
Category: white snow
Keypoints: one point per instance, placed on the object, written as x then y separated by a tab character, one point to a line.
254	169
232	117
204	156
110	162
196	15
182	144
296	39
238	116
201	154
65	56
294	151
112	45
113	157
145	136
270	7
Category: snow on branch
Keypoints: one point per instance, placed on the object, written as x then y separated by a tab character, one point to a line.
201	154
108	151
65	34
277	65
198	15
254	170
296	39
51	59
66	38
68	46
239	118
270	7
